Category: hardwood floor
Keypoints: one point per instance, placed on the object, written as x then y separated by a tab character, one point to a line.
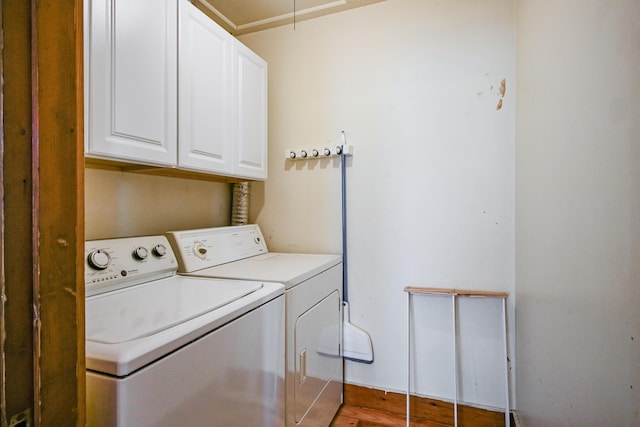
365	407
352	416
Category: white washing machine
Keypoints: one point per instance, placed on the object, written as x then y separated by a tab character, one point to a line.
313	291
168	350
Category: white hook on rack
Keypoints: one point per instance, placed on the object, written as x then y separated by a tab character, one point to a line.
318	153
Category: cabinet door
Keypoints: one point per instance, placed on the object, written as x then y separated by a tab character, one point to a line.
131	80
204	92
250	149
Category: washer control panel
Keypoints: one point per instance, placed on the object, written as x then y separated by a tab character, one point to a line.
117	263
208	247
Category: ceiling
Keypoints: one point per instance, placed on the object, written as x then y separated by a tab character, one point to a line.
247	16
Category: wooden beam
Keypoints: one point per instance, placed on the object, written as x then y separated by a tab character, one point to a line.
17	256
42	233
58	166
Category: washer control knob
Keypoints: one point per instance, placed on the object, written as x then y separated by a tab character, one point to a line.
200	250
159	250
99	259
327	152
292	155
140	253
314	152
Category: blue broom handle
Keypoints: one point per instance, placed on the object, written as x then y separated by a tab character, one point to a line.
343	173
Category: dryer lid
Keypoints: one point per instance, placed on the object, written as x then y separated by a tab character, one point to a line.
288	269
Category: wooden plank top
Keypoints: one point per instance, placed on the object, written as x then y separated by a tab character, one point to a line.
460	292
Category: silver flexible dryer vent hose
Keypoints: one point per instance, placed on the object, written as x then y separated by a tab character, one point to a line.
240	204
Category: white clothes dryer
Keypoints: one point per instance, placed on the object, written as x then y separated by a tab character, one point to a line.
168	350
313	306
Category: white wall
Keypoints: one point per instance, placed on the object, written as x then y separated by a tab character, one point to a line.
578	212
415	84
119	204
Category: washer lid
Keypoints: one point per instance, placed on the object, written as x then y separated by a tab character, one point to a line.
144	310
123	358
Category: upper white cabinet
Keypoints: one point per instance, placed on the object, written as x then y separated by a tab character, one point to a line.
131	86
250	148
167	86
205	93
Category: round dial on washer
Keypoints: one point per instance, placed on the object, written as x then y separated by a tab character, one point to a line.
140	253
98	259
159	250
200	250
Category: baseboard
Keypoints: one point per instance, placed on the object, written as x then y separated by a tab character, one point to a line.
422	408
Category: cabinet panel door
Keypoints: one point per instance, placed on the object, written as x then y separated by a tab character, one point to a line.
250	155
132	81
205	93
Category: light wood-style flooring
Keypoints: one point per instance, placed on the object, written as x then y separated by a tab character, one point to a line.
365	407
353	416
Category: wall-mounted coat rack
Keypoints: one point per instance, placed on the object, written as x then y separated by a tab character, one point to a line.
318	153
